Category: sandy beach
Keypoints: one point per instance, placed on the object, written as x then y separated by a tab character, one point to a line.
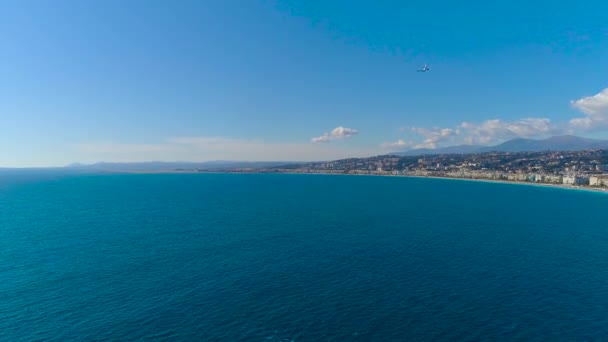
547	185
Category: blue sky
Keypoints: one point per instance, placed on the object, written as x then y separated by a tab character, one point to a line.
292	80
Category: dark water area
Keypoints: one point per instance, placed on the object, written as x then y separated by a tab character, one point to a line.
216	257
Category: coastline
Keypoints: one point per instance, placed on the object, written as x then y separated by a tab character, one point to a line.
546	185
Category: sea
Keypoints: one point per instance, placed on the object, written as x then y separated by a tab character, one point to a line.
277	257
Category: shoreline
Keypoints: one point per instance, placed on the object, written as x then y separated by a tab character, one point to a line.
545	185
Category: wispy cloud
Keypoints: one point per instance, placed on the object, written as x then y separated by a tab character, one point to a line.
493	131
434	136
595	109
199	148
336	134
484	133
121	148
397	144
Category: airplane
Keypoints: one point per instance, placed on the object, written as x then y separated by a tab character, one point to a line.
425	68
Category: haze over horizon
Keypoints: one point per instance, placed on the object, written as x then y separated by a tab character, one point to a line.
281	80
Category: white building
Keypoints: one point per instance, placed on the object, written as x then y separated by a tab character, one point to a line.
553	179
598	181
575	180
568	180
538	178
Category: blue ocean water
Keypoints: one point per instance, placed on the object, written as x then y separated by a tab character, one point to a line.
216	257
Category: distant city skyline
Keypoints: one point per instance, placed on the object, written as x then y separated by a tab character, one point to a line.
277	80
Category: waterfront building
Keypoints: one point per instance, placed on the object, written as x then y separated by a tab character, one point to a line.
568	180
575	180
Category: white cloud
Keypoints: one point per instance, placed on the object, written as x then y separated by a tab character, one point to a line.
484	133
493	131
336	134
433	137
397	144
323	138
595	109
216	148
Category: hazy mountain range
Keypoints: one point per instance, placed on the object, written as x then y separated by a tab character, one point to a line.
557	143
158	165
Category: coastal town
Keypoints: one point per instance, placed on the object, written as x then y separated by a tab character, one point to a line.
576	168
